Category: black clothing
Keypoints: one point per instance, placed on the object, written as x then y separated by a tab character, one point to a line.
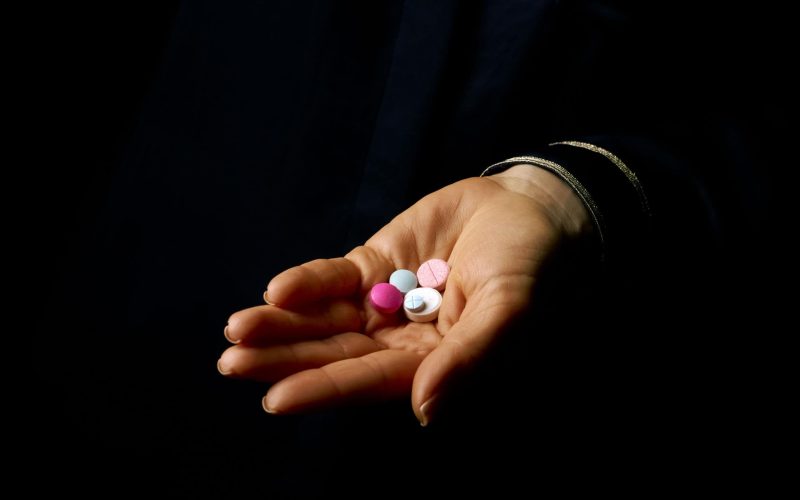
278	132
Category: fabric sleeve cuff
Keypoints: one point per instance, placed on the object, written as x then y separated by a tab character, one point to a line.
610	190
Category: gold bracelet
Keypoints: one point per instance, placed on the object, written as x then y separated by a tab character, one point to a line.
564	175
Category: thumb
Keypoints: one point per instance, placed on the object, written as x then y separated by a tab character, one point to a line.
462	348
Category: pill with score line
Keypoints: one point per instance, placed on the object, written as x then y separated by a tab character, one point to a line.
432	301
414	303
433	274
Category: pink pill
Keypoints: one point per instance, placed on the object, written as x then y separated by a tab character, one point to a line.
385	298
433	274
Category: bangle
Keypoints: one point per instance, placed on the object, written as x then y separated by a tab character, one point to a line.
564	175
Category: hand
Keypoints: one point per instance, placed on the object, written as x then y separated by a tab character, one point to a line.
322	343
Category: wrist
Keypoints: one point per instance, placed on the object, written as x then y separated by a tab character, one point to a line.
562	205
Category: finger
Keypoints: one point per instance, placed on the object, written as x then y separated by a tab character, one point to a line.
464	344
268	364
381	375
375	267
309	282
269	324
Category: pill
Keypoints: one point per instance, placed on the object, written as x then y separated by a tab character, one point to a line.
414	303
433	274
404	280
385	298
432	300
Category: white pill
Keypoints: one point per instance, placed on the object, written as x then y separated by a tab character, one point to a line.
432	300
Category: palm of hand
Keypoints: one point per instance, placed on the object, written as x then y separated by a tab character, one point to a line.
324	344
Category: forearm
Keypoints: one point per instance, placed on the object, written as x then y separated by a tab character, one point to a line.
557	198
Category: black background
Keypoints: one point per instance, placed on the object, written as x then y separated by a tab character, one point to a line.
139	285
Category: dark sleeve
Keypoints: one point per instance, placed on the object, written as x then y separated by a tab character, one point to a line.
654	122
676	331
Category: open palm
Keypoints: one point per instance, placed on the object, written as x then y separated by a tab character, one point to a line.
322	343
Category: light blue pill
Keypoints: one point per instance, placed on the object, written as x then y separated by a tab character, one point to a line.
404	280
414	302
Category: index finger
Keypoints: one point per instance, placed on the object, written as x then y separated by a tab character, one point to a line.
309	282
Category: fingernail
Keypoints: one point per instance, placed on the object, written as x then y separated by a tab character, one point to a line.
266	407
228	336
266	298
222	368
426	409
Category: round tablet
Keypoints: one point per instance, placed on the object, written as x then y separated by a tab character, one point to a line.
414	303
433	274
385	298
432	300
404	280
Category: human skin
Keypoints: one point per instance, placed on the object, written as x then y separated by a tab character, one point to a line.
320	342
